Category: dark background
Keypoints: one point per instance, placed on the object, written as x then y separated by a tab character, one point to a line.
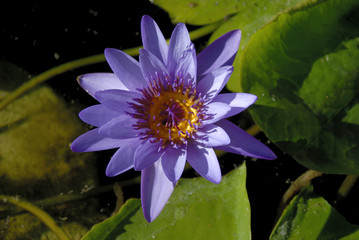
37	37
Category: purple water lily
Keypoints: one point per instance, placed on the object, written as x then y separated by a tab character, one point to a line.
165	110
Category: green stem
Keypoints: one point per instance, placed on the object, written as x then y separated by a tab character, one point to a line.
203	31
38	212
84	62
301	182
66	198
254	130
346	186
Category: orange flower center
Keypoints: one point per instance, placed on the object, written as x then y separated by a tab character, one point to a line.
168	114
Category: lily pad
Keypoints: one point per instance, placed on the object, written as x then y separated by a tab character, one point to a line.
309	216
253	16
197	209
304	67
199	12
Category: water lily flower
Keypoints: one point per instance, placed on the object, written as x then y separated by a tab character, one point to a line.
165	109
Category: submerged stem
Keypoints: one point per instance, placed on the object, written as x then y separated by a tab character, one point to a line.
66	198
346	186
254	130
38	212
42	77
302	181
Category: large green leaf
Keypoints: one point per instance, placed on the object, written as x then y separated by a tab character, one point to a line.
249	20
250	16
309	216
197	209
304	67
199	12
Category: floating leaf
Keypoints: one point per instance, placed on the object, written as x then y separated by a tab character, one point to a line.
304	67
352	115
309	216
250	16
197	209
199	12
253	16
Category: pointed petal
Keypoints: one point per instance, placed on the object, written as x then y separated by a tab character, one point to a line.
179	42
117	100
205	162
146	154
97	115
187	66
215	112
152	68
220	53
243	143
126	68
173	162
119	128
153	40
94	82
122	160
92	141
237	101
213	83
212	136
156	189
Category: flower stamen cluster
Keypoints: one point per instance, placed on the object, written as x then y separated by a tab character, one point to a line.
169	112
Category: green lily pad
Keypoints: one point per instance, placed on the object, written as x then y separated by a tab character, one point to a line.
197	209
304	67
250	19
309	216
199	12
352	115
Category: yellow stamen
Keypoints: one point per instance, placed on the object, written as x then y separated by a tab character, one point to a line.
183	126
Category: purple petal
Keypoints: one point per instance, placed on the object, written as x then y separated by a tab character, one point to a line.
187	66
173	162
122	160
152	68
215	112
237	101
212	136
119	128
243	143
93	82
153	40
97	115
214	82
126	68
92	141
220	53
146	154
205	162
117	100
179	42
156	189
